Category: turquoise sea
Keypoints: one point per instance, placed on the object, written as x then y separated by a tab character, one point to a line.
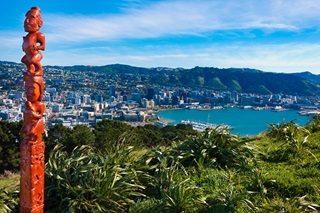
243	121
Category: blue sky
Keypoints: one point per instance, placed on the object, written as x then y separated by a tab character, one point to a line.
270	35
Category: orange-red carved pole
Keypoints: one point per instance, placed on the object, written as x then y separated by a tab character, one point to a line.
32	147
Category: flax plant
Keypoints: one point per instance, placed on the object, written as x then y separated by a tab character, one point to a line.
293	139
87	182
9	201
214	147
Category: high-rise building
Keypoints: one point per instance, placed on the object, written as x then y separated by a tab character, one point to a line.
98	98
150	93
136	97
47	97
175	100
52	91
86	99
235	96
112	91
151	103
145	103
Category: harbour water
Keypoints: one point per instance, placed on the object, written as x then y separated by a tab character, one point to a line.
243	121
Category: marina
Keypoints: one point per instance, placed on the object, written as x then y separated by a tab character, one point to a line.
200	126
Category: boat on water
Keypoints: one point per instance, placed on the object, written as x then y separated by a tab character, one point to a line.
278	109
200	126
309	113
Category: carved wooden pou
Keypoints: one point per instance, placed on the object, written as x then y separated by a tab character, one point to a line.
32	147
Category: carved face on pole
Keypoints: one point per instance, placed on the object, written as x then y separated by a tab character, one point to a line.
33	21
34	87
33	92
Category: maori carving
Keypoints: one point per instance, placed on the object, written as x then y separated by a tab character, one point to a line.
32	147
32	25
34	108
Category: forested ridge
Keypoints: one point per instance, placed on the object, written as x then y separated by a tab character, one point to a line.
230	79
118	168
219	79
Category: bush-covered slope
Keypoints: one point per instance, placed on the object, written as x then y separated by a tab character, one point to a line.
212	171
232	79
242	80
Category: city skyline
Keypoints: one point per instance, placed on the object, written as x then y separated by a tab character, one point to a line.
271	36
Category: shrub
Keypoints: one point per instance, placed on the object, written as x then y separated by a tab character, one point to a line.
222	190
214	147
314	125
9	201
87	182
294	205
293	140
174	188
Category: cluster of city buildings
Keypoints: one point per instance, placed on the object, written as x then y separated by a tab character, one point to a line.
73	98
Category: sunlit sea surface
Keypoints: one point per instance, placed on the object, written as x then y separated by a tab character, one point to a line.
243	121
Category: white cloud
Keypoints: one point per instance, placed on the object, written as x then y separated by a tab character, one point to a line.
169	18
293	57
10	38
70	38
11	46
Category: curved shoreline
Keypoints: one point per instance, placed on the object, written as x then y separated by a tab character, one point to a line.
244	122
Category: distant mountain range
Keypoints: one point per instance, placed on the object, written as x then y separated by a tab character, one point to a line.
232	79
238	79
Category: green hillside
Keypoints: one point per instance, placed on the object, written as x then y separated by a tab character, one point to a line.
247	82
241	80
118	168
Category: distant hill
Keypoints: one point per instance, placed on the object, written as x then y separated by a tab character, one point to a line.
243	81
233	79
309	76
246	70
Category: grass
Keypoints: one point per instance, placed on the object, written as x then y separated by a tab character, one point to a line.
9	180
295	175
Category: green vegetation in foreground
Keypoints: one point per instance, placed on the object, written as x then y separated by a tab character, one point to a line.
9	180
118	168
9	193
